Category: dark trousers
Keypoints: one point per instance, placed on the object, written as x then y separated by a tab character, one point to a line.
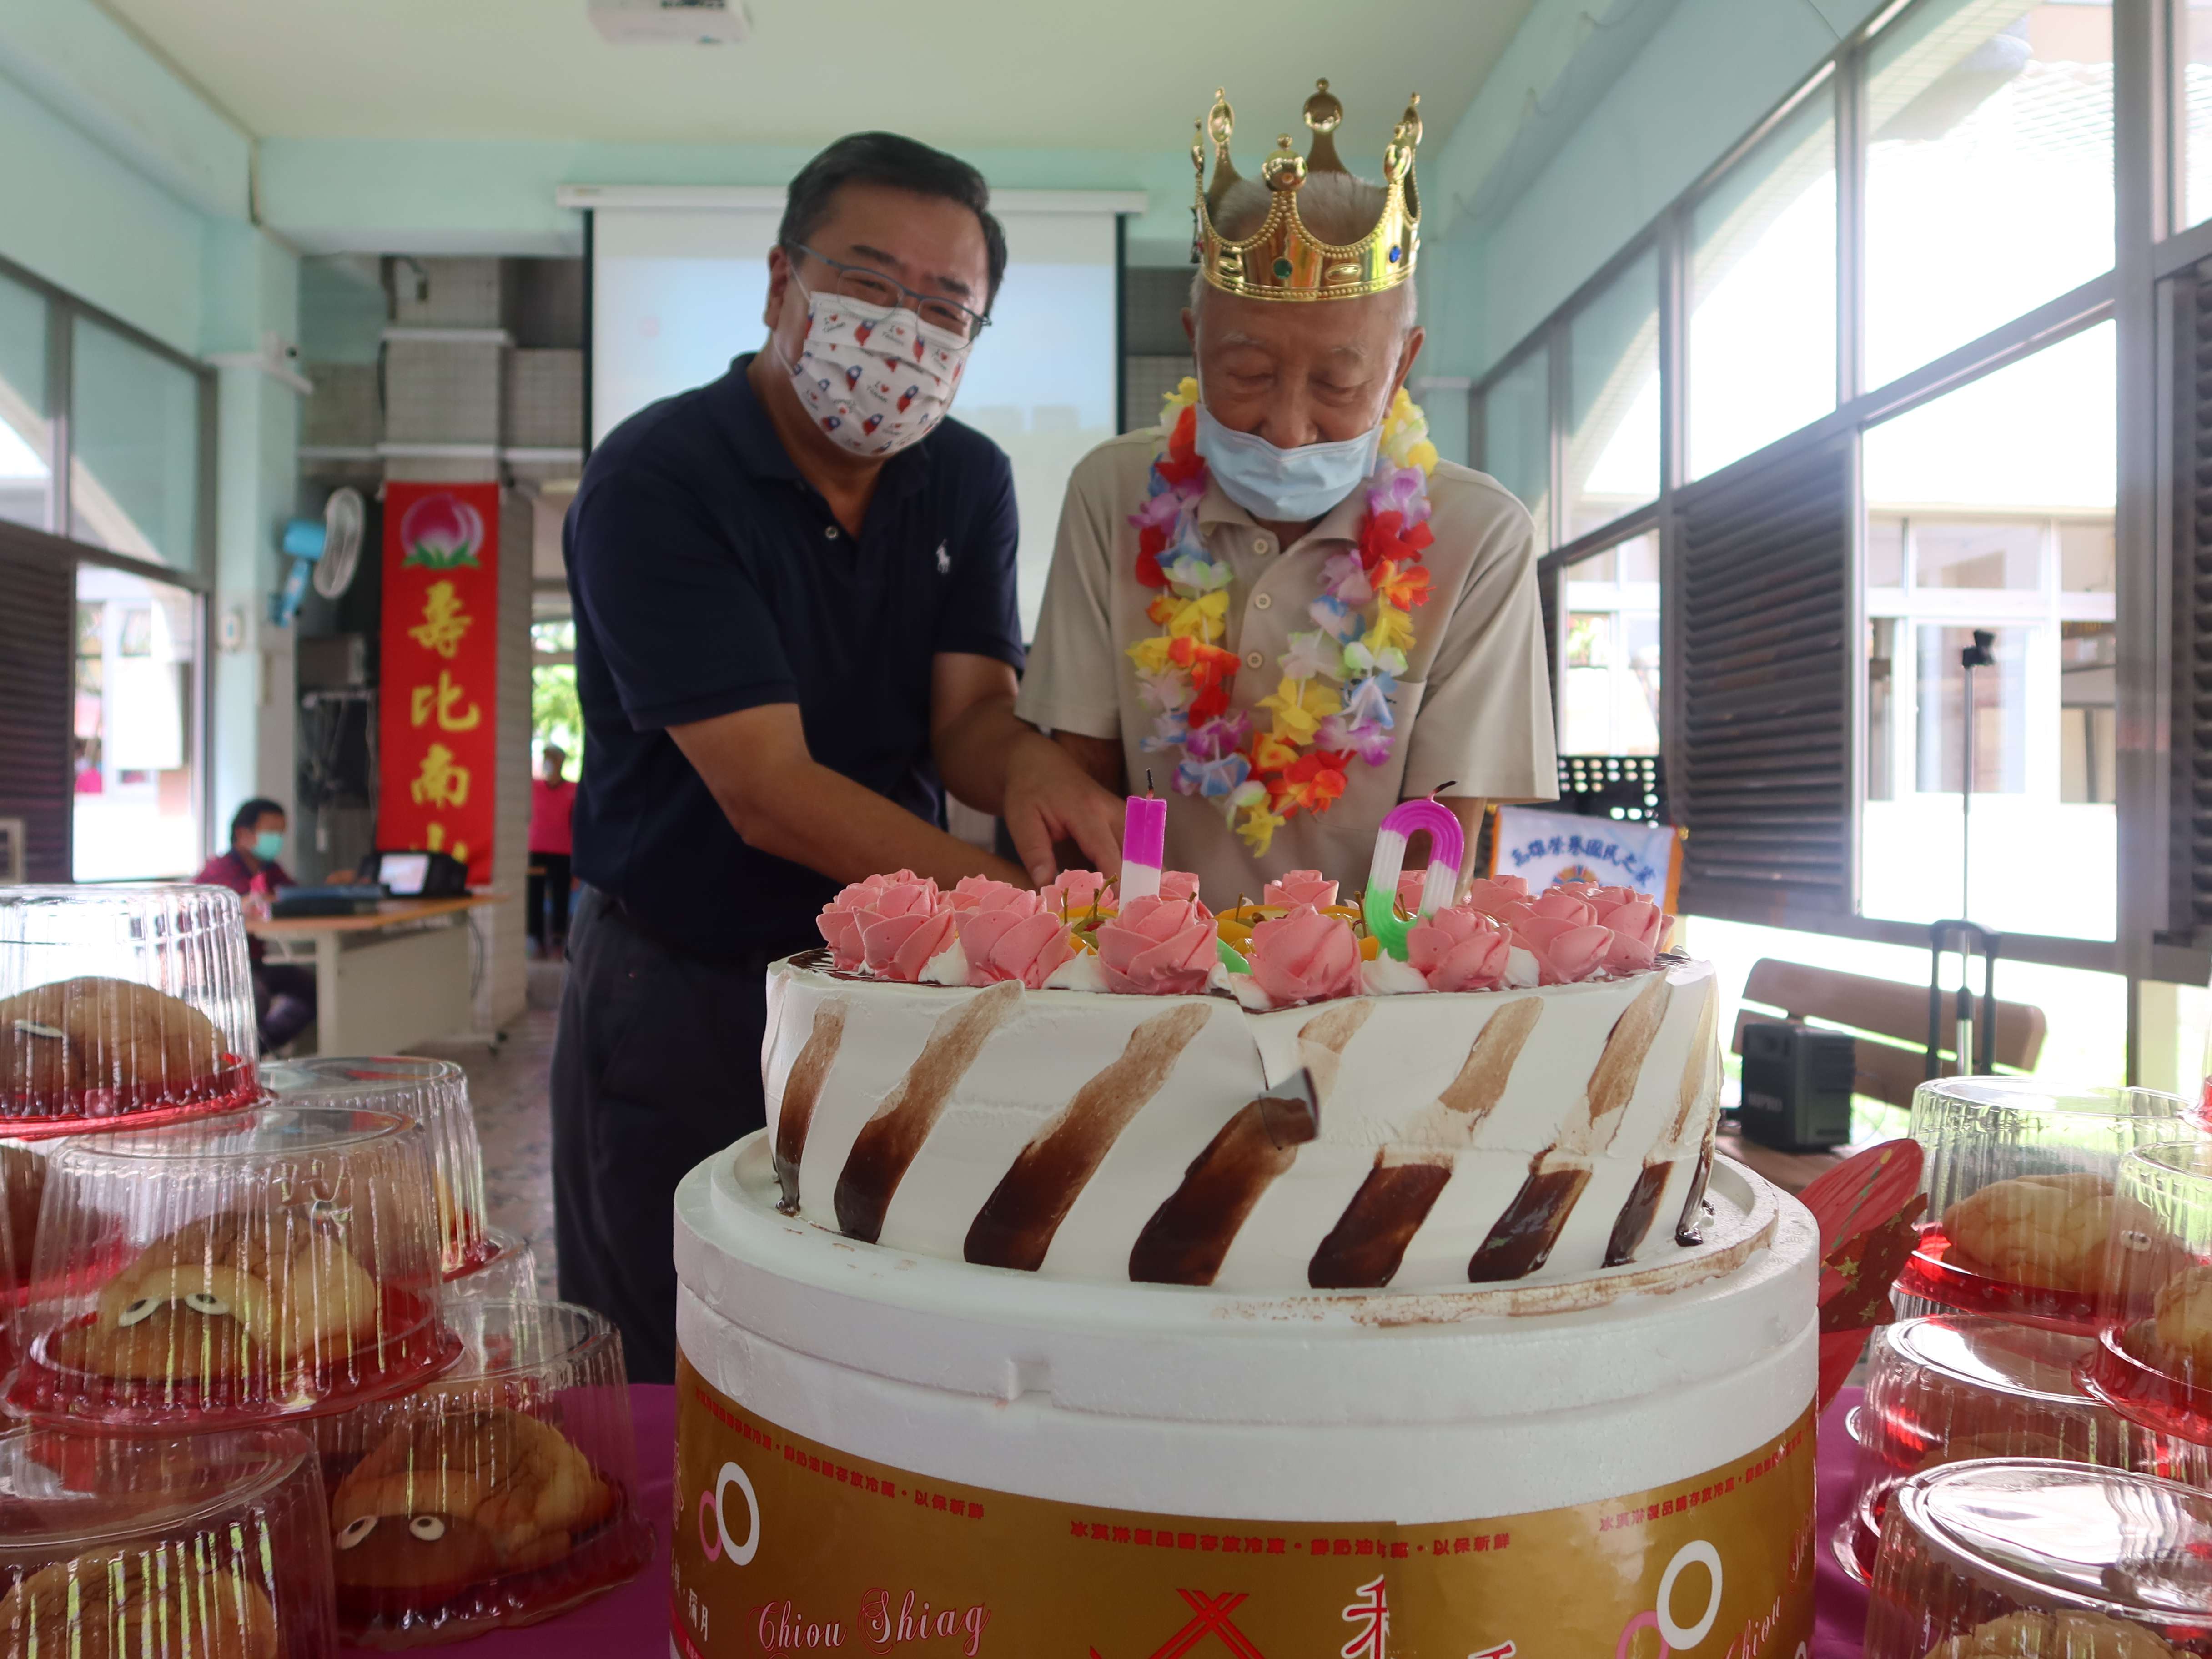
283	1001
656	1068
553	885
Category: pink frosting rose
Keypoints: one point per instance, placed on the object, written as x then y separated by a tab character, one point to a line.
892	895
1076	892
1157	946
899	946
1563	904
1305	957
1297	887
981	893
1012	944
1505	897
1566	952
1461	949
1179	884
1410	884
1638	927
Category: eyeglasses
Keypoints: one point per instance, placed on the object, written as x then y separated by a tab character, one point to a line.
873	288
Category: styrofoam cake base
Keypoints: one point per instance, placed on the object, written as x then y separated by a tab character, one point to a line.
1416	1406
904	1114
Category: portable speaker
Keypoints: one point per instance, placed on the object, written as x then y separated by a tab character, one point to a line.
1797	1085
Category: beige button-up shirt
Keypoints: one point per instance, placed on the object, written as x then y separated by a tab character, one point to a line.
1473	707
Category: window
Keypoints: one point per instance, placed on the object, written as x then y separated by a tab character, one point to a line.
135	436
1989	171
1609	672
26	442
1992	507
2193	44
1517	437
1762	345
1613	415
138	814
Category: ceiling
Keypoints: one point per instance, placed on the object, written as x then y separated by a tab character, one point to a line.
974	75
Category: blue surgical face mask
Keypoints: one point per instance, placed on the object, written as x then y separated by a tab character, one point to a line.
267	844
1285	485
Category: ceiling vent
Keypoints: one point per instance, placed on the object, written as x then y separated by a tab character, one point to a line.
671	22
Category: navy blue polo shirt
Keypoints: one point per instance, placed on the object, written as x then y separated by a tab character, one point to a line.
709	577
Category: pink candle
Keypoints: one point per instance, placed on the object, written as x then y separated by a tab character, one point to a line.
1143	846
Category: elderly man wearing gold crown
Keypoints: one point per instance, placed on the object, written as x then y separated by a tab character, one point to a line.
1281	604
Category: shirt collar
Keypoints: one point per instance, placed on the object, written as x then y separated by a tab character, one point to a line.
761	452
1340	524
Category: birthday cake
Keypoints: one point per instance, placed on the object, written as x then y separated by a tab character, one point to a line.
1107	1087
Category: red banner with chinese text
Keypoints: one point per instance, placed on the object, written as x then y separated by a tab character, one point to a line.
436	733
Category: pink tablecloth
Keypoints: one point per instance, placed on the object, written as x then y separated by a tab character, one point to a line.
634	1618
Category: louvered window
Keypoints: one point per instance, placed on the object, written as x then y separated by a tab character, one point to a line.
35	643
1759	752
2192	699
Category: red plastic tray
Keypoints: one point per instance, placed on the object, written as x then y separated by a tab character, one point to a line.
95	1404
1931	1273
614	1552
233	1089
2141	1392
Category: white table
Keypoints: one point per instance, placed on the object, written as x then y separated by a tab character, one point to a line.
388	981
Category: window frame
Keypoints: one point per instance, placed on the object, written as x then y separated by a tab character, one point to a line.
52	545
2149	164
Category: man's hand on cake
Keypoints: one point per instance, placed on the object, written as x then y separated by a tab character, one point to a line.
1052	799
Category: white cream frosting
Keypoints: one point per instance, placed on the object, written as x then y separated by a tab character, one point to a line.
1387	1096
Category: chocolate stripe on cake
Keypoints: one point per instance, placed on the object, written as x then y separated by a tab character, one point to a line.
887	1143
1015	1225
802	1090
1188	1236
1367	1244
1634	1221
1520	1240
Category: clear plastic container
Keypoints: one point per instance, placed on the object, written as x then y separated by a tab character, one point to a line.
503	1494
278	1262
2154	1357
2026	1559
23	1185
1952	1388
211	1548
122	1007
435	1094
2019	1178
509	1271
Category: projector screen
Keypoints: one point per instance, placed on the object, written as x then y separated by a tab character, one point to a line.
679	277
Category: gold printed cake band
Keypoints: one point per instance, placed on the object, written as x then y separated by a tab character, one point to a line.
1365	1248
1520	1240
1634	1221
802	1090
1282	259
888	1142
1015	1225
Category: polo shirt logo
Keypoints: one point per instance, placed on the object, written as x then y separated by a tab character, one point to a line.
944	561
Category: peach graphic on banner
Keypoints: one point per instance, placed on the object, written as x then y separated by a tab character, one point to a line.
440	532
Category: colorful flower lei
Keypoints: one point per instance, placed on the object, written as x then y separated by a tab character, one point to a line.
1334	700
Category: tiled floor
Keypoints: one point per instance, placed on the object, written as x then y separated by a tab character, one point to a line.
507	1092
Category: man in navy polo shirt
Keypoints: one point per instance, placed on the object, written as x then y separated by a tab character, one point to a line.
795	627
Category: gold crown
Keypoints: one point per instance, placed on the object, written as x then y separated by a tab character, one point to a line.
1283	261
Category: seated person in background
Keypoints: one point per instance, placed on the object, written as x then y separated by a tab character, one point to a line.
283	992
552	802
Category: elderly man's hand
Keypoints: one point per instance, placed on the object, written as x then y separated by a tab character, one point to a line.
1050	799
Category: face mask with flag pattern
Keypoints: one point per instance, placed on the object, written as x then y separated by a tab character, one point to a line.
875	378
